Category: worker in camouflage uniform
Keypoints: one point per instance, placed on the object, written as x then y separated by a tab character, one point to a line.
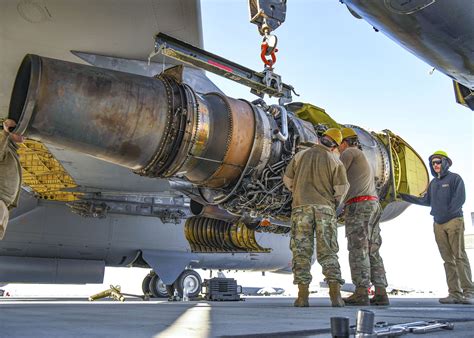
10	172
446	195
362	213
318	182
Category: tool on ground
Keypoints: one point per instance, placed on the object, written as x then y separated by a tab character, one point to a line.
142	297
419	327
365	324
116	294
433	327
113	292
340	327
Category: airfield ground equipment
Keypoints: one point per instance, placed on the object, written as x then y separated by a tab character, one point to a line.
221	289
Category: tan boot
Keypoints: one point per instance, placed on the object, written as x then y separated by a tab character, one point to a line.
303	294
359	297
451	299
335	294
380	297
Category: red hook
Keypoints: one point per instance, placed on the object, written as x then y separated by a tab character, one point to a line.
263	54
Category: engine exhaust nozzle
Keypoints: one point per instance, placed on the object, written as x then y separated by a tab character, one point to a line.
156	126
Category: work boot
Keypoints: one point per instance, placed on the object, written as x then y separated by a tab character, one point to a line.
468	298
359	297
303	294
335	294
380	297
451	300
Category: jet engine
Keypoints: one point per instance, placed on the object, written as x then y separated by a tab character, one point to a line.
222	152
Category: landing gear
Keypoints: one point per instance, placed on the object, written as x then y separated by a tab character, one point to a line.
153	286
157	287
146	284
190	280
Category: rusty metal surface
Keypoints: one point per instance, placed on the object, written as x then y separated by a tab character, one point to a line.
113	116
174	132
217	129
156	126
239	143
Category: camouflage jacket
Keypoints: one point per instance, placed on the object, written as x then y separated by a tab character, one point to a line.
316	177
10	171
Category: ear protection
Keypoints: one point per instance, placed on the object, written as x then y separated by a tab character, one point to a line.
352	141
327	142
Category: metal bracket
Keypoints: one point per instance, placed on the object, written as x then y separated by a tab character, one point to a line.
268	15
167	209
260	83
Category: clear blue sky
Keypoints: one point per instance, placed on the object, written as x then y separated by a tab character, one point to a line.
360	77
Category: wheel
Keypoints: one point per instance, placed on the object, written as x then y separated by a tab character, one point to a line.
157	287
170	289
190	280
146	284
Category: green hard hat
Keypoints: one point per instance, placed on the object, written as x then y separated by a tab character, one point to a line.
442	153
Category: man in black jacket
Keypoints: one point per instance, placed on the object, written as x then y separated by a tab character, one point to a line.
446	196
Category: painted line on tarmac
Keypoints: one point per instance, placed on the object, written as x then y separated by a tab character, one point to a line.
73	302
195	322
425	309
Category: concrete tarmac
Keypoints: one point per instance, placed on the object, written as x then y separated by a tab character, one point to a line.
253	317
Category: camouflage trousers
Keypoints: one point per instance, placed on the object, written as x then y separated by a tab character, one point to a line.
363	242
305	221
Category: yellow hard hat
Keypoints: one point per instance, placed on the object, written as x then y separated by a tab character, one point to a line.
334	134
348	132
442	153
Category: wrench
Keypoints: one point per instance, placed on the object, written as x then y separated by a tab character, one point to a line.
433	327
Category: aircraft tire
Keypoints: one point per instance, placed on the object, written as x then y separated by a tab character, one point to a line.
157	287
192	280
146	284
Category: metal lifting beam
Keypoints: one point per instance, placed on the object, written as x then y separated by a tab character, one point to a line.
260	83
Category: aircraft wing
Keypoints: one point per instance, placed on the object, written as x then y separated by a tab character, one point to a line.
441	33
122	28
